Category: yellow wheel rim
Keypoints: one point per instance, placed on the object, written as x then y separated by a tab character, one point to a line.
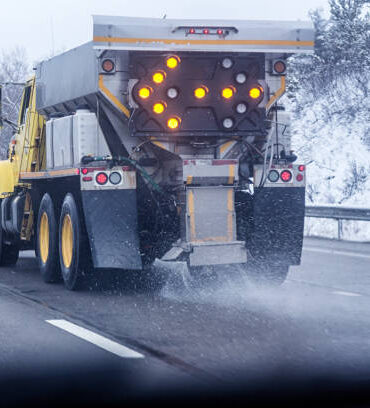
67	241
44	236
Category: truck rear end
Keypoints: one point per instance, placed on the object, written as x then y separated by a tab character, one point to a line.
184	150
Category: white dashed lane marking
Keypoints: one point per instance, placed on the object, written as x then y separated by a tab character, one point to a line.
96	339
343	293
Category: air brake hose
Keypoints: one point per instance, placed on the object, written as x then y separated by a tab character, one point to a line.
143	172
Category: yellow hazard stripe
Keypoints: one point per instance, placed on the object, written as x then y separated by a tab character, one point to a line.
192	215
51	173
211	239
231	174
159	144
278	93
112	97
230	208
225	146
202	42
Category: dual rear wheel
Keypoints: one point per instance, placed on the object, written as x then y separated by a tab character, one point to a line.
60	249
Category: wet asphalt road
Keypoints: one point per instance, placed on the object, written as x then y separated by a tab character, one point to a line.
318	321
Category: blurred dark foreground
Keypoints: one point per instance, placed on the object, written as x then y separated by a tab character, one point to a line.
110	386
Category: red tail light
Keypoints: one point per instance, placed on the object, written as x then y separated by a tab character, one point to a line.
101	178
299	177
301	167
84	171
286	176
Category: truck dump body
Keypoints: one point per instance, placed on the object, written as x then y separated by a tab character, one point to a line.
77	74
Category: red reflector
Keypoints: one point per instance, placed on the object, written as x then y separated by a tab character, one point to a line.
220	32
286	175
87	178
126	168
101	178
301	167
206	31
279	67
192	31
299	177
84	171
108	65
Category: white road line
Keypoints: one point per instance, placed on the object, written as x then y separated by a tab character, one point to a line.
339	292
336	252
95	339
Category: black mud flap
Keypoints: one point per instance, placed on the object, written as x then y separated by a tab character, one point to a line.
111	223
275	224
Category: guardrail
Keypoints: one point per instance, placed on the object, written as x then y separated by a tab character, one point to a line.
339	214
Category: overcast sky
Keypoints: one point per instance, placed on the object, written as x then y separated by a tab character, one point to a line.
46	26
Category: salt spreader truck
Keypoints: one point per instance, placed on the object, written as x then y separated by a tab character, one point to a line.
160	139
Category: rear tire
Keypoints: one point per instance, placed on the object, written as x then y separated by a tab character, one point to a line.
9	253
73	251
47	241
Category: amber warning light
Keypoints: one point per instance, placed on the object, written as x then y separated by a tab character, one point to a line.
158	77
228	92
173	123
145	92
200	92
173	62
159	107
255	93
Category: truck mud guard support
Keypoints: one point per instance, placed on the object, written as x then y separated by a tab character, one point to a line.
278	218
110	211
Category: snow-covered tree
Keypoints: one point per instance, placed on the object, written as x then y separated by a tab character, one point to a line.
328	94
14	69
347	39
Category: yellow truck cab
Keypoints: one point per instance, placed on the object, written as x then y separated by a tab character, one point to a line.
25	154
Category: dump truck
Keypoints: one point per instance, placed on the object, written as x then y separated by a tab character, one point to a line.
159	139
